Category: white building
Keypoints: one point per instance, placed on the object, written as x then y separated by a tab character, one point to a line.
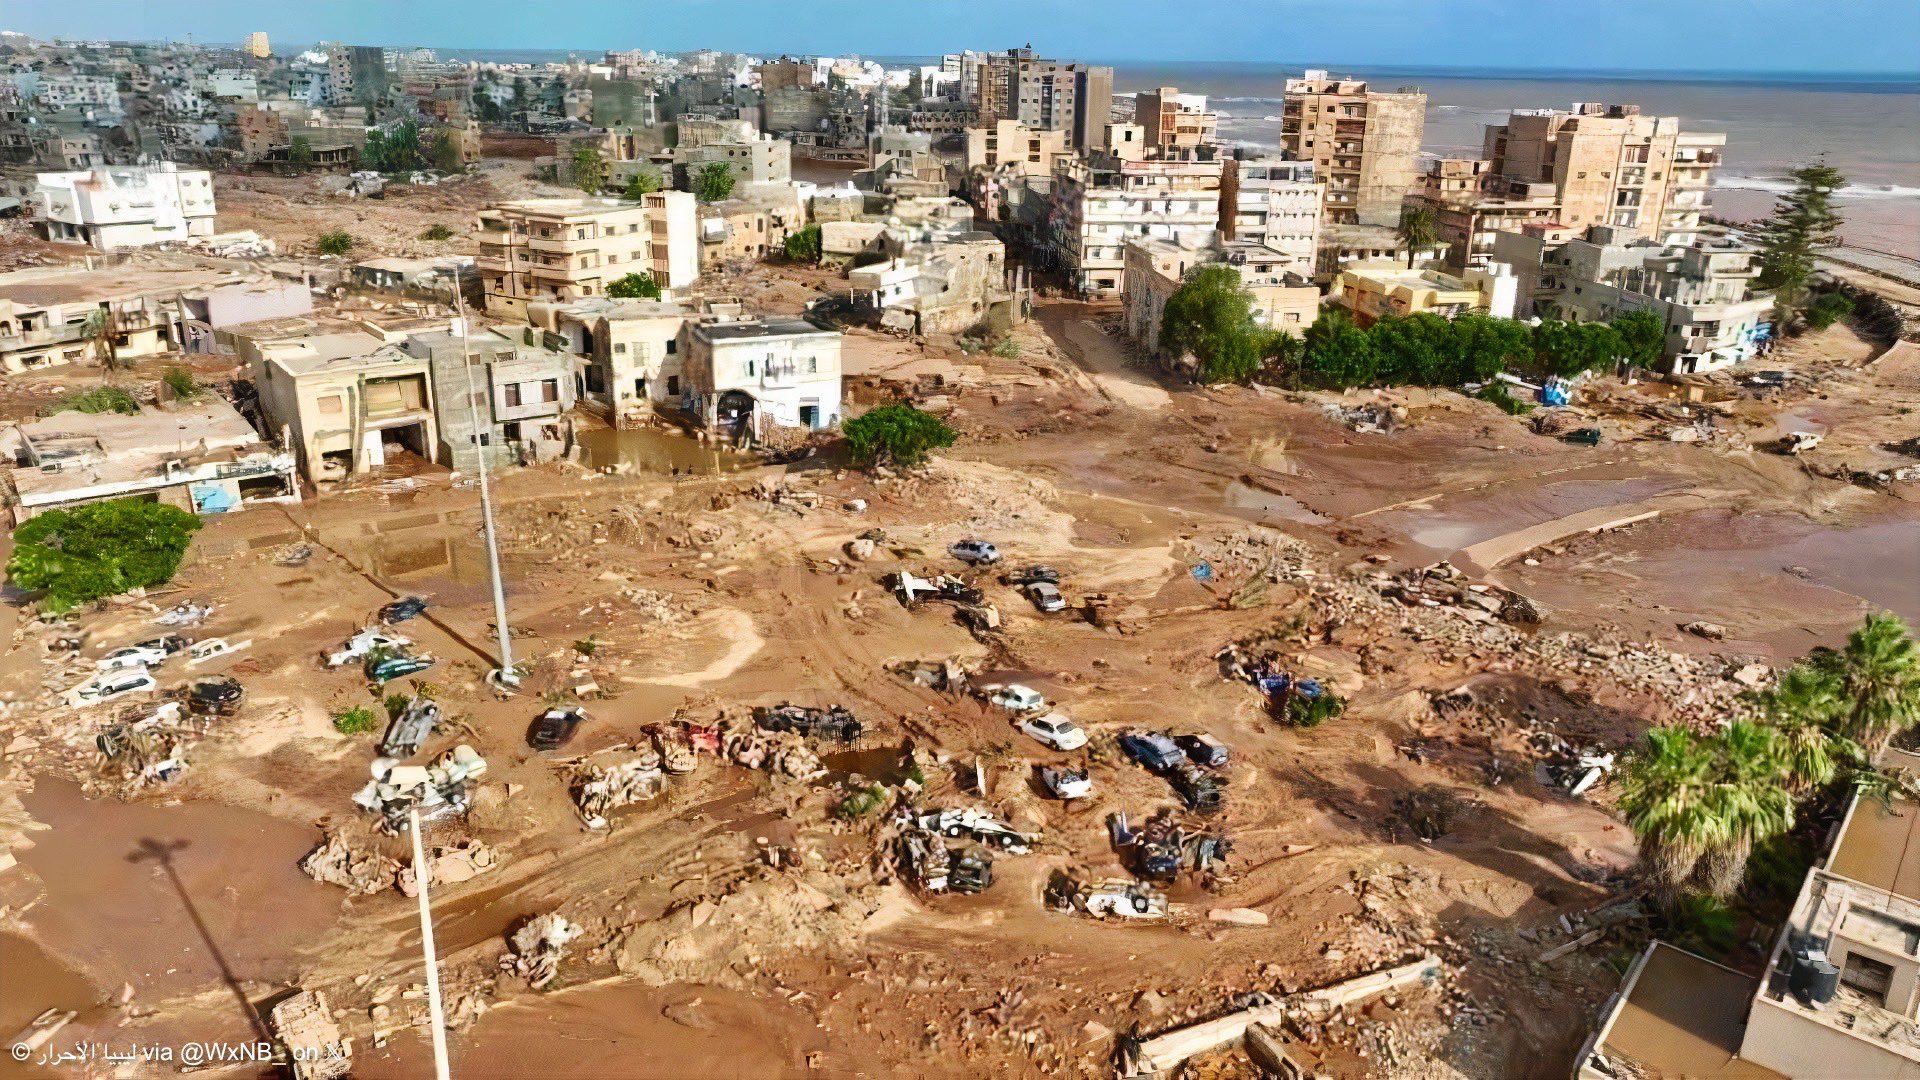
1102	202
1276	204
118	207
748	376
60	91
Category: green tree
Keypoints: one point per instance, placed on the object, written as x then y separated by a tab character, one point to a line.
1878	678
1751	802
804	246
1643	337
1412	349
643	182
1338	353
1827	309
1569	348
634	286
373	155
1698	805
300	152
446	153
589	170
1803	220
713	182
91	552
338	242
437	231
103	332
1416	230
1484	346
1211	318
898	434
1805	708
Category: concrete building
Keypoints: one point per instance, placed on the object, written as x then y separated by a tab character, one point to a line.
44	312
564	249
1012	148
747	377
1104	201
347	397
1276	204
1841	995
117	207
1046	95
1471	204
1611	165
633	362
1702	290
1177	125
1282	299
437	278
1370	292
1364	143
1342	246
203	457
753	158
257	47
519	388
949	285
751	225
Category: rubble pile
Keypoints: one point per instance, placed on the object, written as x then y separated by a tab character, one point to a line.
1443	585
615	778
535	950
450	865
722	939
782	753
337	861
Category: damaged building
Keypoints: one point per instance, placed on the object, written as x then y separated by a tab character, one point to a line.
749	376
948	285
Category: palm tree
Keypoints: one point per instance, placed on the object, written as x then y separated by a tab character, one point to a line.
1667	800
100	329
1879	680
1750	802
1416	230
1804	709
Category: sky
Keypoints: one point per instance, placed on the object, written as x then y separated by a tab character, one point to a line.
1737	36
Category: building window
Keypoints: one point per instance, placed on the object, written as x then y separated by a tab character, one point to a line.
550	390
673	386
332	405
671	345
511	394
1868	976
619	346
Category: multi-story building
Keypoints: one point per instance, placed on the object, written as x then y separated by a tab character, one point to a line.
1282	299
1373	291
1276	204
1364	143
1471	204
1005	152
257	45
1048	95
752	157
749	376
1841	993
962	71
1342	246
633	361
517	388
1101	202
950	284
567	249
1177	125
1611	165
356	74
54	92
1702	290
118	207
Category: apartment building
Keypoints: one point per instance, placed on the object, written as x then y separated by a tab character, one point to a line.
123	206
1004	153
1102	202
1177	125
44	312
751	225
1373	291
1611	165
1702	290
340	393
1364	143
1841	993
1047	95
1282	299
565	249
1471	204
752	157
949	284
1276	204
1342	246
633	360
517	387
257	46
746	377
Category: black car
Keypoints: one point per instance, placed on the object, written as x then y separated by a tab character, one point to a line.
1203	750
554	728
403	609
1152	749
836	724
1032	575
216	695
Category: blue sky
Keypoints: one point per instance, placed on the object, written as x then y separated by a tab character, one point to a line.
1876	36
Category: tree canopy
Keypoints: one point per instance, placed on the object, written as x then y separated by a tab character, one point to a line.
91	552
634	286
713	182
589	170
1416	230
898	434
1803	220
642	182
1569	348
804	246
446	153
1211	318
1643	337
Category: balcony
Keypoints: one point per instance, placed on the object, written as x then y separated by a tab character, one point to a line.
562	246
56	335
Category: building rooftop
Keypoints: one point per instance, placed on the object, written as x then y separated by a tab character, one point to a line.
47	287
1682	1015
109	448
1880	847
761	328
615	309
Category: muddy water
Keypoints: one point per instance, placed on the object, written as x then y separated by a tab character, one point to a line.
1260	505
1463	520
447	567
35	982
114	911
655	451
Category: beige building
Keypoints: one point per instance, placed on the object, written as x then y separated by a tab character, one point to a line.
257	47
634	360
1046	95
567	249
1471	204
1282	300
1013	148
1177	125
44	311
1611	165
1364	143
1101	203
1371	292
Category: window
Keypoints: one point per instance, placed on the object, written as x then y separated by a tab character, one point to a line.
813	365
673	386
510	393
671	344
550	390
332	405
619	346
1868	976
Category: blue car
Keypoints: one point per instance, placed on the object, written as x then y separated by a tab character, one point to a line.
1153	749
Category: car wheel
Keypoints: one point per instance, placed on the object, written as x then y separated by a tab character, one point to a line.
954	830
1140	904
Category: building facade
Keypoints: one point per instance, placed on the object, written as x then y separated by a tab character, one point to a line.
747	377
1101	203
117	207
1364	143
1471	204
1611	166
1046	95
1276	204
1156	269
567	249
1371	292
1177	125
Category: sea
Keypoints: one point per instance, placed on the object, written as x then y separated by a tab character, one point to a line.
1868	127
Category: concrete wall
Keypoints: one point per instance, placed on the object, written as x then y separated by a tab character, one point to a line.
1796	1045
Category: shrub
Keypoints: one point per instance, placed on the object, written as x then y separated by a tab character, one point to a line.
804	246
100	399
358	720
1830	308
1306	712
437	231
1008	349
396	704
91	552
713	182
895	433
861	802
1498	393
180	381
587	646
634	286
337	242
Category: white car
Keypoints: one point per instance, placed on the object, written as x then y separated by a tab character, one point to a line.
1066	783
1127	899
1046	596
109	685
141	654
364	642
1056	729
1014	697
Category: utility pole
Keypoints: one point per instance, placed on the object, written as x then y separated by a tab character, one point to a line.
421	873
504	677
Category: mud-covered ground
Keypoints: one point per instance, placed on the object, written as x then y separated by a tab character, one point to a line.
735	926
